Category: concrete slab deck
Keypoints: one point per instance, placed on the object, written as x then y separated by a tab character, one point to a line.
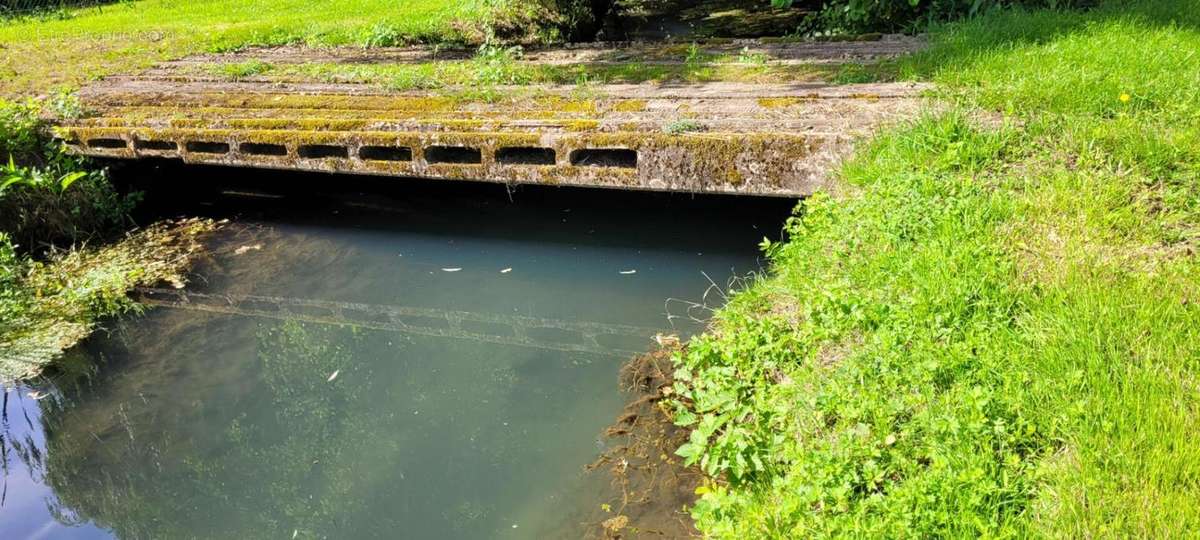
716	137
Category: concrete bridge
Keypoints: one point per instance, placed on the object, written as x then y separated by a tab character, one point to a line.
720	136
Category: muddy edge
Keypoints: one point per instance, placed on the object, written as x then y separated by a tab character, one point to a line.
649	489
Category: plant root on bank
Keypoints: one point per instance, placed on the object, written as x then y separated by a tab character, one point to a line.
650	488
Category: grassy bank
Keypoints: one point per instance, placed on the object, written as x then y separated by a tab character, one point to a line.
994	330
83	44
58	276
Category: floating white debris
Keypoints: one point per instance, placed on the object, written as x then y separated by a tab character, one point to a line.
666	340
506	270
333	375
36	395
451	269
627	272
295	532
242	250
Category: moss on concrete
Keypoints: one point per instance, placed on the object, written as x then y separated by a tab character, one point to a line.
629	105
779	102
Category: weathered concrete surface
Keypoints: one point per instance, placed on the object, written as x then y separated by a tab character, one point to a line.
720	137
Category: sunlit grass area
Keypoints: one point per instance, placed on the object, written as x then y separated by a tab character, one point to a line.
996	332
39	54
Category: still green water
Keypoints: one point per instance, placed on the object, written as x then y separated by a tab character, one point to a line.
433	365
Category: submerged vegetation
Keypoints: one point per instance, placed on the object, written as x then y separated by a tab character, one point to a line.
994	331
48	306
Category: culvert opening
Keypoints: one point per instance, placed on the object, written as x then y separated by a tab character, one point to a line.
453	154
319	151
206	147
106	143
604	157
525	156
156	145
386	153
263	149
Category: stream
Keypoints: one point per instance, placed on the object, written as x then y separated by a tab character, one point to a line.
369	359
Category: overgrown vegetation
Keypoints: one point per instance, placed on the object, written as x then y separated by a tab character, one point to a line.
48	306
994	331
48	197
50	296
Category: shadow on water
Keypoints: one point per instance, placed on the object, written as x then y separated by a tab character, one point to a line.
367	358
475	209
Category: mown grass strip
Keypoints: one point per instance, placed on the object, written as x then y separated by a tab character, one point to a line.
94	42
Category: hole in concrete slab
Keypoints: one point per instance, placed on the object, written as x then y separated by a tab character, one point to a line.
204	147
317	151
386	153
525	156
604	157
106	143
155	145
263	149
453	154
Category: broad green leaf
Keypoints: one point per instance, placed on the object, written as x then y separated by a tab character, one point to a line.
68	179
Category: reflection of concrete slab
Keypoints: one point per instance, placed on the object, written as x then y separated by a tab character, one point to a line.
778	138
523	331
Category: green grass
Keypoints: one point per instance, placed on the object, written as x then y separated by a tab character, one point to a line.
94	42
495	65
476	73
240	70
994	330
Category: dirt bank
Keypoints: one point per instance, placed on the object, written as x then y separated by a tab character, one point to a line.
650	489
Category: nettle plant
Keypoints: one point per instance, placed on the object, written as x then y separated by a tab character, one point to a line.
719	387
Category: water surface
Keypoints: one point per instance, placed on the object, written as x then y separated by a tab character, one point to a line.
424	363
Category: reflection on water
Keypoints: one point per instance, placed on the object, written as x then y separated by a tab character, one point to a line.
433	367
